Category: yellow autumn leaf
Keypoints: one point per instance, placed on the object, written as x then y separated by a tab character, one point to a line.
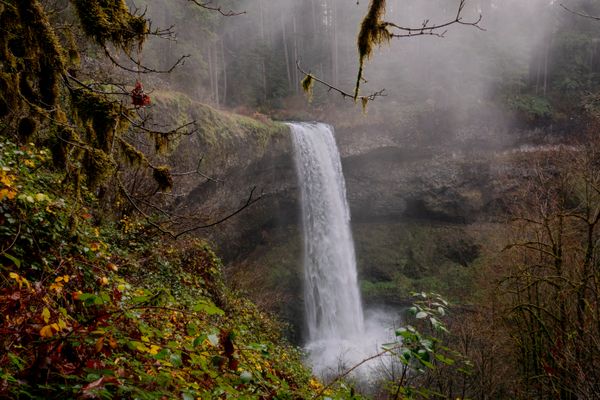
154	349
7	180
46	331
41	197
141	347
103	281
95	246
62	324
46	314
57	287
29	163
20	280
8	194
66	278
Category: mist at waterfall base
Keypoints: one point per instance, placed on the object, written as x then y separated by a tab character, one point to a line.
339	335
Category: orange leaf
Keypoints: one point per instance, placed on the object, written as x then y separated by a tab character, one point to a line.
46	331
7	193
99	344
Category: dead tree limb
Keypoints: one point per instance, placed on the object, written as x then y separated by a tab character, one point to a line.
580	14
211	7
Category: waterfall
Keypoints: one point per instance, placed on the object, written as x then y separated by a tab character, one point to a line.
334	312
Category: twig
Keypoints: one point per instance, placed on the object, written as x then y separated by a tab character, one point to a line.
427	29
580	14
372	96
248	203
13	242
168	133
209	6
142	69
197	172
349	371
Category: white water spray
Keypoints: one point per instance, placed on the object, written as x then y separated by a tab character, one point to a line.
337	332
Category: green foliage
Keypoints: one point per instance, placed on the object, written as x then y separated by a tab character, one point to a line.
421	350
534	107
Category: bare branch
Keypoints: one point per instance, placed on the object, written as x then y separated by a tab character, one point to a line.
427	29
197	172
176	131
580	14
209	6
345	94
142	69
350	370
133	201
251	200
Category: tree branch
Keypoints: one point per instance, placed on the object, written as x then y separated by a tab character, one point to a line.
209	6
142	69
580	14
345	94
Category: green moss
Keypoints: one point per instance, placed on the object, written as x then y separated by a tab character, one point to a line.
42	52
98	167
110	21
101	116
133	156
217	131
307	85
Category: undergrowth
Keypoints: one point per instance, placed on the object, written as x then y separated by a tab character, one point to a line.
93	306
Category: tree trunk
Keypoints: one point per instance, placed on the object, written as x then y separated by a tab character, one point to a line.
286	54
224	65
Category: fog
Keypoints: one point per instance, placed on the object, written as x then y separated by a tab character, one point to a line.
248	60
467	61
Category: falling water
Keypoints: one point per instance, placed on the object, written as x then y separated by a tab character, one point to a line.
334	312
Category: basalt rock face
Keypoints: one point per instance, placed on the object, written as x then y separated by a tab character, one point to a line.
243	172
397	177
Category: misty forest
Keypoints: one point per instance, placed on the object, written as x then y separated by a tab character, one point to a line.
300	199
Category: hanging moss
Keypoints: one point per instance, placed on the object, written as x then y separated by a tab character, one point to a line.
98	167
8	99
162	176
101	116
110	21
44	52
307	85
373	32
59	144
132	155
161	142
364	102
